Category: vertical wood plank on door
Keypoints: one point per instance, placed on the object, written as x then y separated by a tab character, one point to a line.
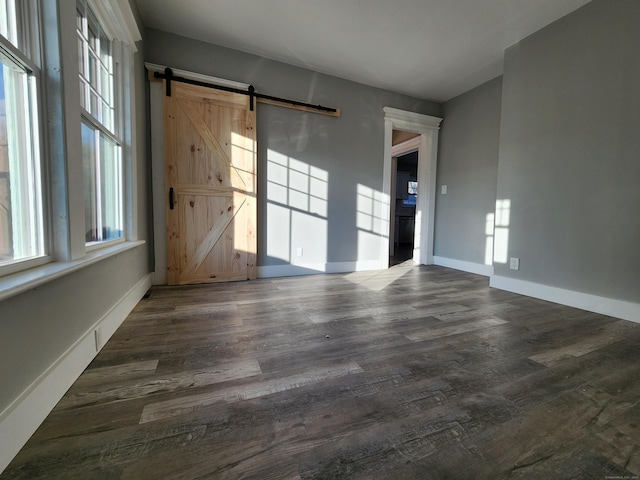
171	180
249	150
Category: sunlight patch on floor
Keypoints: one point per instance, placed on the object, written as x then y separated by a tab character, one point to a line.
378	280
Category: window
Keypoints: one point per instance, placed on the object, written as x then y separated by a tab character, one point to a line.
40	221
22	238
101	145
412	194
102	175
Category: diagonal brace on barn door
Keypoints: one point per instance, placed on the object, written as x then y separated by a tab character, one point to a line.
212	238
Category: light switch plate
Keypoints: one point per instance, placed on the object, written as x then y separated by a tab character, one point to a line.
514	263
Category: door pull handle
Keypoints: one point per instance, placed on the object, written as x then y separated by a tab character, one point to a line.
171	199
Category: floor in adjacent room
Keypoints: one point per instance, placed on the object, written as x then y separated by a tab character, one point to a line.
408	373
401	254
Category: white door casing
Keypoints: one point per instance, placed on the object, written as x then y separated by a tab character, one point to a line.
428	128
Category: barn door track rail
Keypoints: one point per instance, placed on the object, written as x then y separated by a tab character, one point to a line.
254	96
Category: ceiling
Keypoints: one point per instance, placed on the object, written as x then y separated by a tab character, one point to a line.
429	49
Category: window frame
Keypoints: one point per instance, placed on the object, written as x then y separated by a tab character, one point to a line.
27	55
117	134
48	42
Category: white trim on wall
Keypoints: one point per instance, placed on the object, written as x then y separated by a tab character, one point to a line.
25	414
158	204
427	126
592	303
477	268
271	271
17	283
118	18
154	67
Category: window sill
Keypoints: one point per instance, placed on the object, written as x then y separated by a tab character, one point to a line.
20	282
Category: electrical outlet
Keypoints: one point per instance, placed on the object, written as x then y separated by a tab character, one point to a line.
443	190
299	252
98	337
514	263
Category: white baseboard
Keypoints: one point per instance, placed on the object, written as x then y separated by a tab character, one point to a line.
271	271
592	303
25	414
477	268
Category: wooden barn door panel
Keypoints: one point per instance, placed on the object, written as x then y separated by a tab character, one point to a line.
210	151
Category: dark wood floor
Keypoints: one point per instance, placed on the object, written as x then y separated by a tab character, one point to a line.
411	373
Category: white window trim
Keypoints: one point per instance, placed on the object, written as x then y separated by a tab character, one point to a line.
27	54
25	264
22	276
93	246
118	22
12	285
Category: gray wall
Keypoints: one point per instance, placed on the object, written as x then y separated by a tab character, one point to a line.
570	152
40	325
468	166
349	149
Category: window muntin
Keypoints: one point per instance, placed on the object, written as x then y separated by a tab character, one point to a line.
101	146
96	67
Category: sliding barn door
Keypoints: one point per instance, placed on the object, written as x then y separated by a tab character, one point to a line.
210	159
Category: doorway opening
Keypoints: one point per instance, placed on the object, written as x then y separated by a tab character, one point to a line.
421	137
406	146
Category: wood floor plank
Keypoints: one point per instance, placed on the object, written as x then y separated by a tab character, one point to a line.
189	403
438	332
611	333
148	387
408	373
116	373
